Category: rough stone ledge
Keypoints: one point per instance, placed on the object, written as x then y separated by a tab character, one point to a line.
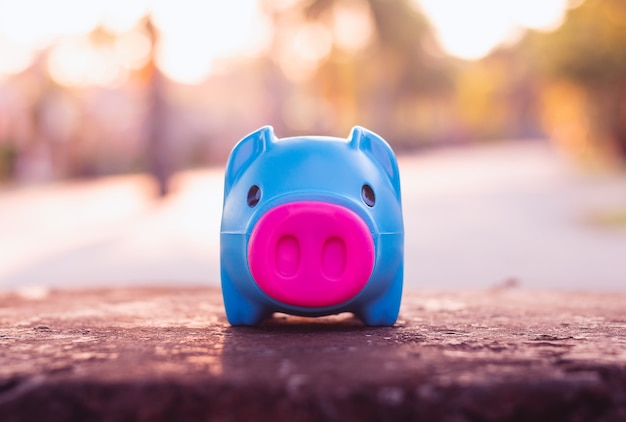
160	354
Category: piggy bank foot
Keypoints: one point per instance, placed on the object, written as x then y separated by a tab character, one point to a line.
239	309
251	314
383	312
374	317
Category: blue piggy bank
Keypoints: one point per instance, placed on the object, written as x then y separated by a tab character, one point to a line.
312	226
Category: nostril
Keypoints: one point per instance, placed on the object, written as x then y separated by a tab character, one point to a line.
287	255
334	257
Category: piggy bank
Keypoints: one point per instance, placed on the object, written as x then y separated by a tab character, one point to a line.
312	226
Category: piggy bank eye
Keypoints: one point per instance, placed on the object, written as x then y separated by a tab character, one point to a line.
254	195
367	193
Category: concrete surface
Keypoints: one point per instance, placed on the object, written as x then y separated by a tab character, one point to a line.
162	354
475	218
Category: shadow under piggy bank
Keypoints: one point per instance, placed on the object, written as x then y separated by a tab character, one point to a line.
324	368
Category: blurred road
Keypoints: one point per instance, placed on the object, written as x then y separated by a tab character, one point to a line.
474	218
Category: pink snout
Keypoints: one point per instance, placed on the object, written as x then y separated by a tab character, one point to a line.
311	254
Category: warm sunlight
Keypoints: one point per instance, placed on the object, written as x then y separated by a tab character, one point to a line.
62	26
36	23
352	25
195	33
471	29
15	58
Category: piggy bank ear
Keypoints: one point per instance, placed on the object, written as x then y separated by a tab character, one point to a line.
245	152
379	150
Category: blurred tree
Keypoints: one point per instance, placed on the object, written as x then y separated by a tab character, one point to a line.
497	96
8	156
160	162
584	68
399	85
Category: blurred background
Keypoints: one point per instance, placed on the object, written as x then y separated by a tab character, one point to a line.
508	116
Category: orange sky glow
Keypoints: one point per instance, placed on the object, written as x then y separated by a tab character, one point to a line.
195	34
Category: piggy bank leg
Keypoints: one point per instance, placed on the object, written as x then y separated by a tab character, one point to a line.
383	312
239	309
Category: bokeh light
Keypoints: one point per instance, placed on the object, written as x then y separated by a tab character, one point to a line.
472	29
352	25
15	58
77	61
194	34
